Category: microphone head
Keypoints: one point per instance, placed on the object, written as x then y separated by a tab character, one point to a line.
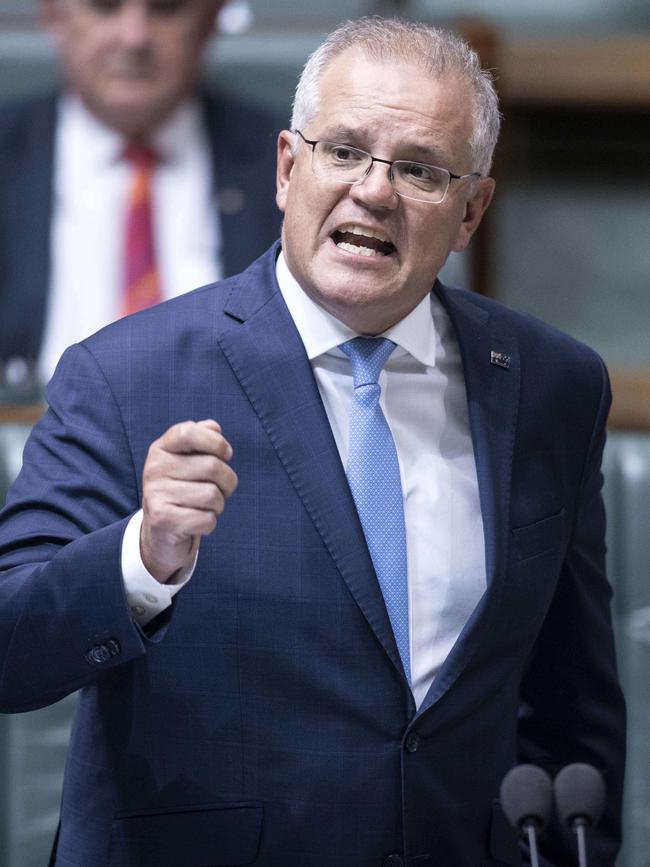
579	794
527	797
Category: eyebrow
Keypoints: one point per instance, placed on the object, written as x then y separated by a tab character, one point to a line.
417	153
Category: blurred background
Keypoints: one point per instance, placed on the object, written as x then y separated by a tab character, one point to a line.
567	239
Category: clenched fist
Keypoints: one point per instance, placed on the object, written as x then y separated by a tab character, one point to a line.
186	481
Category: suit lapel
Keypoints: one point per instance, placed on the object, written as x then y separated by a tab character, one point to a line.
267	356
493	400
492	386
25	212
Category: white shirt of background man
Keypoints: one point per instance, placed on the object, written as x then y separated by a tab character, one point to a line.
91	189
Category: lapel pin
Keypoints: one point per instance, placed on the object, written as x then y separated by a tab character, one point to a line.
500	359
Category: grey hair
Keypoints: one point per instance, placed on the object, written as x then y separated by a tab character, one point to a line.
437	51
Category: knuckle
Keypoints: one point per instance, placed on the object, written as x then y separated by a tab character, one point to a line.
208	523
152	468
156	511
184	433
223	444
153	454
232	482
214	466
206	498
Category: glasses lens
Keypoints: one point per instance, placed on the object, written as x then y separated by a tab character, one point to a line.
339	162
420	181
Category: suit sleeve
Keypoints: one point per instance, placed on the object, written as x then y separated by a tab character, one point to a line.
572	707
64	617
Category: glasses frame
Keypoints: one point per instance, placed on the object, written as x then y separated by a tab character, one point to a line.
450	175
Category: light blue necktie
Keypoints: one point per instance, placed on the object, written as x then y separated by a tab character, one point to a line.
373	475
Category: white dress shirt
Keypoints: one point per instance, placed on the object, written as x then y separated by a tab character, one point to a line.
91	189
423	398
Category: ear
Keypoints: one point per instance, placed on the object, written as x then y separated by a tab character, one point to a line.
285	165
216	6
209	18
476	204
50	14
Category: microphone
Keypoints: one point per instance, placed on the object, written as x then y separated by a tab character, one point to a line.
527	798
580	800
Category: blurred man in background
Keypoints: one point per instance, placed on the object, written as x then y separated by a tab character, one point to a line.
131	185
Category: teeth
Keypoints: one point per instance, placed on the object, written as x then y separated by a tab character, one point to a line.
354	248
367	233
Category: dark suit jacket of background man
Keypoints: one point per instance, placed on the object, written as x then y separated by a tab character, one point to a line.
265	718
242	139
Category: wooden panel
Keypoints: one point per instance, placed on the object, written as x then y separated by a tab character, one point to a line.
609	72
631	400
21	413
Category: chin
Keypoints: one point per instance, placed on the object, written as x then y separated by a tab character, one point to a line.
133	117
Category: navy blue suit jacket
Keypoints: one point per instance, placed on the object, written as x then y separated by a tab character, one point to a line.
265	718
244	152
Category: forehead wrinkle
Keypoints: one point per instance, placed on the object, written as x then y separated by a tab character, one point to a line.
368	100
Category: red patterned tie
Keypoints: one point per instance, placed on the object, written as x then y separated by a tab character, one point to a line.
141	277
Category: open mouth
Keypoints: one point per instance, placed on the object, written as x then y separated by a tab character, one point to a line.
364	242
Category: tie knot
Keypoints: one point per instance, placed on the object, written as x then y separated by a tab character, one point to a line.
368	356
140	155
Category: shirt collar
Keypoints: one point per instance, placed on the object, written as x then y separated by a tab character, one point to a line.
82	127
321	332
89	143
185	124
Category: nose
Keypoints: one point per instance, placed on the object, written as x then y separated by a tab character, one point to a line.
375	189
134	24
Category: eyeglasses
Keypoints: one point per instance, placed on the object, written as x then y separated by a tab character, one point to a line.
341	163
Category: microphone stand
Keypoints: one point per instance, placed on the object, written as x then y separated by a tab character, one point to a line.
579	826
531	831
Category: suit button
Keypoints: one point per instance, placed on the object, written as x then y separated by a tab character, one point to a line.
113	647
98	654
412	742
393	860
102	652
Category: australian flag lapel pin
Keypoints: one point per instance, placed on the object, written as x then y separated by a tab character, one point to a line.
500	359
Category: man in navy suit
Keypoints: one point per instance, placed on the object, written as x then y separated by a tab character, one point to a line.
131	74
184	547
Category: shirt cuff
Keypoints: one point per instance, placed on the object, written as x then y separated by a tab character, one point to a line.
146	597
